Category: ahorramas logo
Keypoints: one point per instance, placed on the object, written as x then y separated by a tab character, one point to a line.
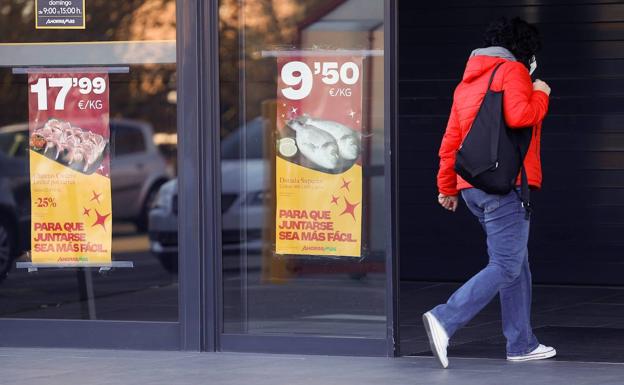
82	258
318	248
61	21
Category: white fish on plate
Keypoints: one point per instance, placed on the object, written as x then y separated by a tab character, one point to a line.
316	145
348	140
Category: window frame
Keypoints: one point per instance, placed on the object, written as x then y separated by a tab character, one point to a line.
291	343
186	333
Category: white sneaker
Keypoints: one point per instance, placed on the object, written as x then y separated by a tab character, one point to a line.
539	353
438	339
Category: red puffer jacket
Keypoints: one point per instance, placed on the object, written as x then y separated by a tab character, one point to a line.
522	107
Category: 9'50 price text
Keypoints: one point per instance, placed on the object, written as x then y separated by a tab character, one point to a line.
299	74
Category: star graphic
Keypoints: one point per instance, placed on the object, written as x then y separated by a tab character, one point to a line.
345	184
101	219
349	208
96	197
86	211
101	168
351	114
293	110
334	199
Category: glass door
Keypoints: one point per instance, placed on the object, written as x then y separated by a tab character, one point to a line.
88	105
304	241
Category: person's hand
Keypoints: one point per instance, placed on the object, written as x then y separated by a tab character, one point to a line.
540	85
449	202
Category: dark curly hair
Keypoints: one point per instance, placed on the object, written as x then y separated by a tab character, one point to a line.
518	36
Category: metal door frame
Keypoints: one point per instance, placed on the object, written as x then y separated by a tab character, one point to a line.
214	338
184	334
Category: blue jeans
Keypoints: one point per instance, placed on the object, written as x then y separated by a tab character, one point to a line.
507	273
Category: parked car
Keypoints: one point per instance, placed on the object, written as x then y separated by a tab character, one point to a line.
239	211
137	172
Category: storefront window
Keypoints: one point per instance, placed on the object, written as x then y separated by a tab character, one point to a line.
302	163
123	62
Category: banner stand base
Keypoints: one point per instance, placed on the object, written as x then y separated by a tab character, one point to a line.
83	276
103	267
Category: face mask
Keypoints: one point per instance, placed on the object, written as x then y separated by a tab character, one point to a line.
532	65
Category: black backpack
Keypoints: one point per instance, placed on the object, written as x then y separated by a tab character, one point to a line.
492	154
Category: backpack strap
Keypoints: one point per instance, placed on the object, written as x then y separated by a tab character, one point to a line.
525	193
494	73
494	138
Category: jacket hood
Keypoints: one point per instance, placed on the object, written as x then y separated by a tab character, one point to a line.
483	60
494	50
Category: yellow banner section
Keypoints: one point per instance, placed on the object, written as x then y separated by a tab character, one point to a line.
318	213
71	214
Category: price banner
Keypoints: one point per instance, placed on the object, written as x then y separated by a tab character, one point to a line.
319	156
69	168
59	14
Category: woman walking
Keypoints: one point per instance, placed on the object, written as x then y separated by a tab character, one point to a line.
510	46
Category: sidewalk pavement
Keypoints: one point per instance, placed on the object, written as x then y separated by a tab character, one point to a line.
122	367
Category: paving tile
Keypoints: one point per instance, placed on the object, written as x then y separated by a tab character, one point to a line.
104	367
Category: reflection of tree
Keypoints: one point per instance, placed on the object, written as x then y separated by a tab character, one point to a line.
142	94
268	24
106	20
153	20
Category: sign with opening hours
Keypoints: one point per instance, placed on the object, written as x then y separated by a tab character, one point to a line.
59	14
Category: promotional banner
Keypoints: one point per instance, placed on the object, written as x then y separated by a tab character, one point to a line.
69	167
318	162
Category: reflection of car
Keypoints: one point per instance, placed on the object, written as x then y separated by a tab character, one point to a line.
137	169
14	195
163	226
238	173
